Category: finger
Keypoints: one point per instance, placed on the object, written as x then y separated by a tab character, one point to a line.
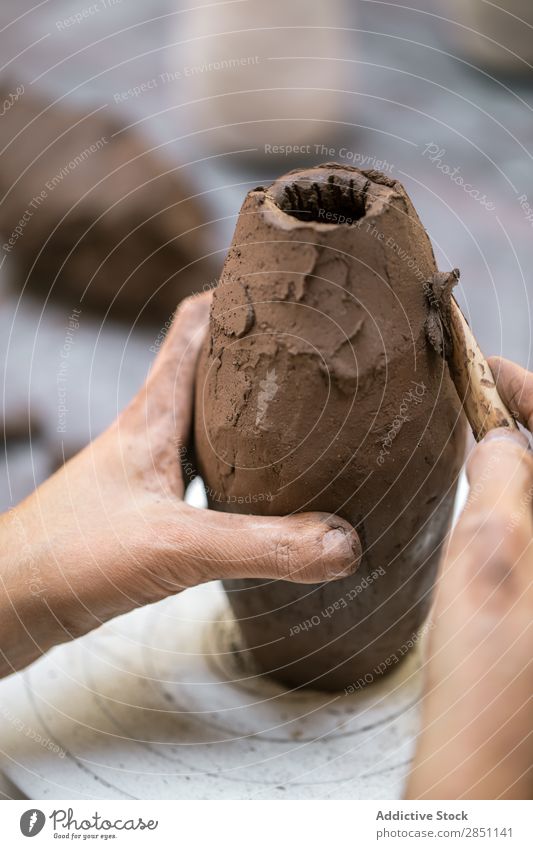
171	381
495	529
160	415
170	387
515	385
199	545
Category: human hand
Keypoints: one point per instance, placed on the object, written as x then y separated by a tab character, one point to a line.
476	739
110	531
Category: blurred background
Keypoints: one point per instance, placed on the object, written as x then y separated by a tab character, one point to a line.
130	133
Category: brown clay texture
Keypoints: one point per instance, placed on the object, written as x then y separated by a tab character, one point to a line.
317	390
102	217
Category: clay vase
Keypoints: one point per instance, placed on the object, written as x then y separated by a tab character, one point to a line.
317	390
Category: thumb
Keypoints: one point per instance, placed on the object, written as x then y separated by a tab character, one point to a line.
204	545
500	472
496	523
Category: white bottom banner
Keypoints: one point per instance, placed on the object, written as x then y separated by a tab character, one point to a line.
268	825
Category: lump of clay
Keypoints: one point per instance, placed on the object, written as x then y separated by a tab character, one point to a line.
317	390
91	213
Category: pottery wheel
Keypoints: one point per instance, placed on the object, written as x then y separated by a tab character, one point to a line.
163	703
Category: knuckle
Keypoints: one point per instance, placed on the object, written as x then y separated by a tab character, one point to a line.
282	560
489	551
490	548
285	560
491	568
492	579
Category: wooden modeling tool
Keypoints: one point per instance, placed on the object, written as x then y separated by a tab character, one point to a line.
450	335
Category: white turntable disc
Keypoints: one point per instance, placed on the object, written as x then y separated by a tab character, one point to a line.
162	703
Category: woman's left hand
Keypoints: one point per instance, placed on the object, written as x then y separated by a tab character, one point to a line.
110	531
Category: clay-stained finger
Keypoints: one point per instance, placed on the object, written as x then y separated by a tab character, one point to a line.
174	367
306	548
165	401
155	427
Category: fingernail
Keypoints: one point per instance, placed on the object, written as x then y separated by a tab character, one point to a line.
505	434
342	552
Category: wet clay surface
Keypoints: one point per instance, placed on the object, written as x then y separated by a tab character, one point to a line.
318	390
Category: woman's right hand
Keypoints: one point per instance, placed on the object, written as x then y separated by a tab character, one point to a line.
476	740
